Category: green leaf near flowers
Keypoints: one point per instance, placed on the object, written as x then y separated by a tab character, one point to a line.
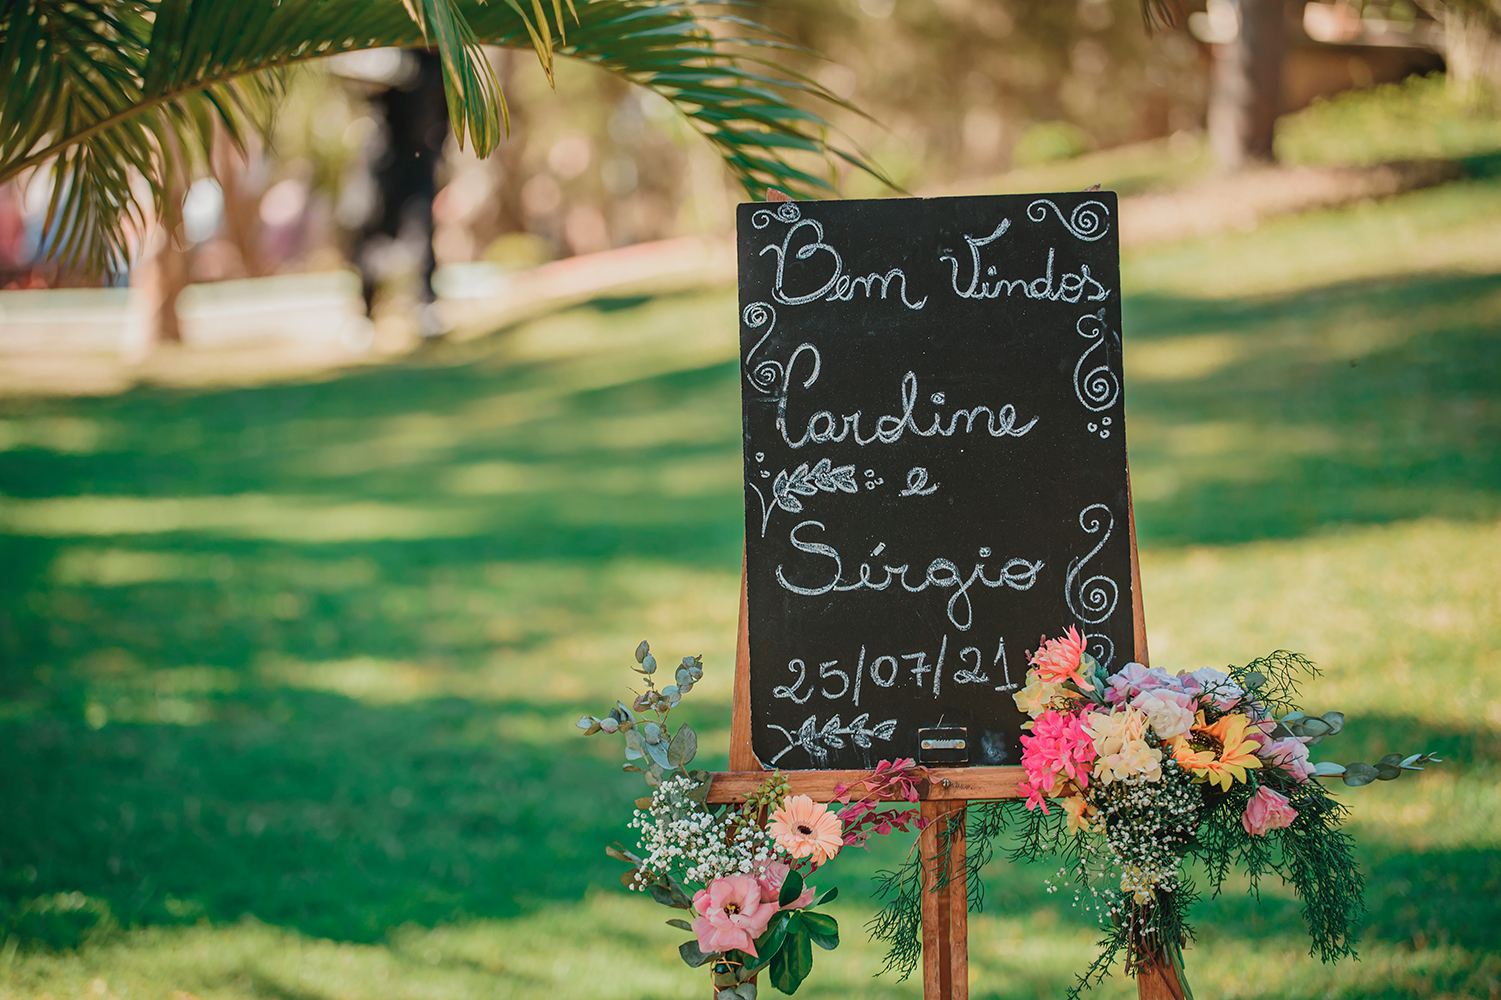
791	889
691	955
769	943
826	896
680	924
1358	774
663	894
823	930
683	746
794	960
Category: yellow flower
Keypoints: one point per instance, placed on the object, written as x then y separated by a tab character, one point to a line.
1219	754
1120	742
1035	698
1079	812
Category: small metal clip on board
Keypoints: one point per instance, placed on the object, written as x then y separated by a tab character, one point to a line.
943	745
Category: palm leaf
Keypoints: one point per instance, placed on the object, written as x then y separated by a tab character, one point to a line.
109	91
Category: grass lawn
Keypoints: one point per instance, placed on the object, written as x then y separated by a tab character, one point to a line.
289	672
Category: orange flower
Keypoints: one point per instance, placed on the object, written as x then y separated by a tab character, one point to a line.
1060	660
802	827
1219	754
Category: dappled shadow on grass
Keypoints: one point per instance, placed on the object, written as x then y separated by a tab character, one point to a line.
306	810
1357	403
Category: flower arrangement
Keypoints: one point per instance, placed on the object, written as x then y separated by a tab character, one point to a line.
741	872
1152	768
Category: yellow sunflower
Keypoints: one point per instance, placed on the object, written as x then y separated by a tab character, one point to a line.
1218	754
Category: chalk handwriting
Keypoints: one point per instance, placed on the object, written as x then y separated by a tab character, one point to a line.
823	427
917	483
839	286
885	671
1017	574
1072	285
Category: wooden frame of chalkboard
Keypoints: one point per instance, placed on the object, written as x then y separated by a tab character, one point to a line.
1058	276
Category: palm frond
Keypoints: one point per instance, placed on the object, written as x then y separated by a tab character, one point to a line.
105	90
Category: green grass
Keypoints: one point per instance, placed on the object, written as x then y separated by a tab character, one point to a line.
288	672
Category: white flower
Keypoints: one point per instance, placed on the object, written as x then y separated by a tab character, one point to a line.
1170	713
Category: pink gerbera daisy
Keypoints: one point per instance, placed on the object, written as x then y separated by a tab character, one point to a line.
804	828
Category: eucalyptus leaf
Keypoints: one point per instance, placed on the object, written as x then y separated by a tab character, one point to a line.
642	650
635	746
1387	772
1328	769
691	954
682	676
1292	717
649	664
1391	758
653	777
683	747
652	732
823	930
628	878
1358	774
673	695
662	894
631	767
680	896
644	802
1254	680
1335	721
658	754
680	924
618	851
629	715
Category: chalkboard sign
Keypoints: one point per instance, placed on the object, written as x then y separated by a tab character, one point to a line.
935	465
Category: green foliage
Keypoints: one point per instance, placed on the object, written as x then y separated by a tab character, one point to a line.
109	90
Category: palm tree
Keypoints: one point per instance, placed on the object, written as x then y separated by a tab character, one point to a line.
121	98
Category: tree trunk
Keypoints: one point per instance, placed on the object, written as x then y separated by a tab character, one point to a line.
1247	90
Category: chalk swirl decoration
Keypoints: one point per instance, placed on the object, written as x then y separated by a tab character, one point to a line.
1101	648
1088	221
764	376
1093	599
1098	388
785	211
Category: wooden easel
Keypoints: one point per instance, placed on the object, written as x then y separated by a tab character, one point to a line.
945	913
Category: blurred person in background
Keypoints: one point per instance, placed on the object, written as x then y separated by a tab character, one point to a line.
387	201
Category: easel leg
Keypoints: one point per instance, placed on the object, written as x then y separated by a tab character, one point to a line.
945	914
1159	982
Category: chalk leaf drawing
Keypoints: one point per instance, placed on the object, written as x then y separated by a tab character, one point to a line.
764	376
819	741
1088	221
1092	599
807	482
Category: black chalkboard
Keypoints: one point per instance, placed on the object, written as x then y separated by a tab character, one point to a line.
932	384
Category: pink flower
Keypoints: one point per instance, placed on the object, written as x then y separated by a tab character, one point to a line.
1059	747
1267	810
804	828
1170	713
1059	660
1291	755
770	880
1132	679
731	914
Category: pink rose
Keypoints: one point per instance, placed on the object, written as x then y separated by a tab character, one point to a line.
771	881
1291	755
731	914
1267	810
